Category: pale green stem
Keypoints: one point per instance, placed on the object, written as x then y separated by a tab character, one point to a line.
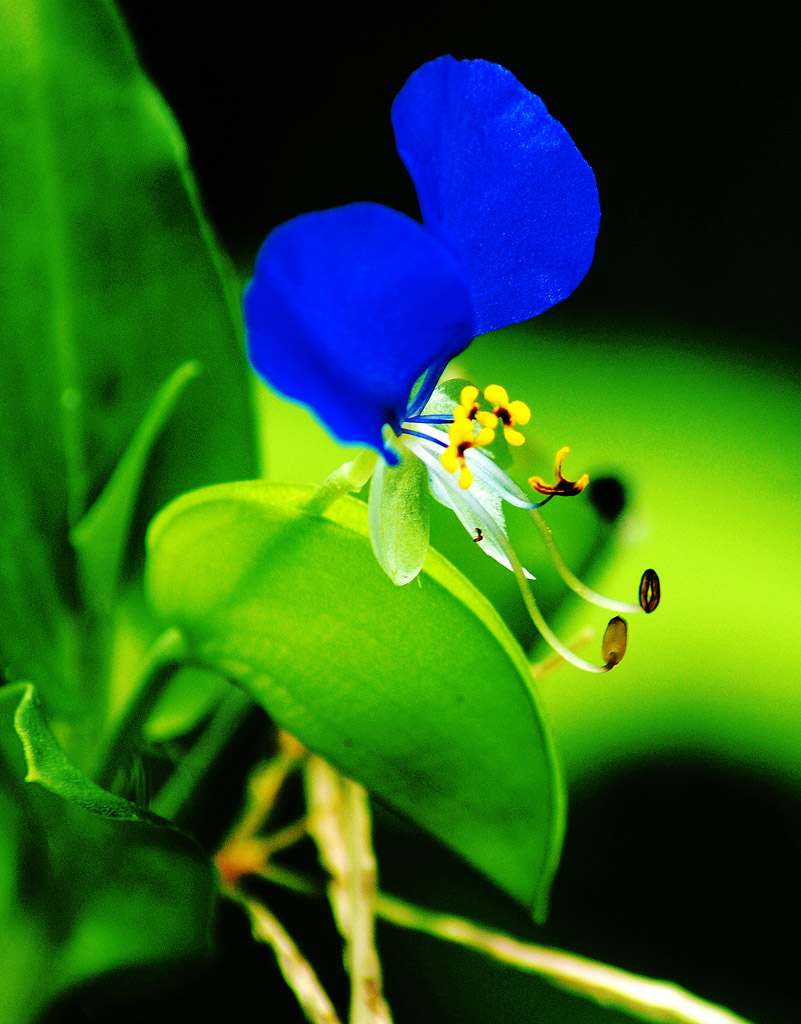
264	786
572	581
657	1001
194	765
292	880
339	823
368	1004
539	620
296	969
350	477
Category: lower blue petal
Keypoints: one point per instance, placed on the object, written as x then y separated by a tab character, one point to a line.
348	308
502	182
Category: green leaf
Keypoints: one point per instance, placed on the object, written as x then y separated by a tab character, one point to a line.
399	516
109	279
88	882
190	696
420	693
100	537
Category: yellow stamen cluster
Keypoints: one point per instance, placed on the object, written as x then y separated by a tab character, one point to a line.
468	413
563	487
462	436
508	413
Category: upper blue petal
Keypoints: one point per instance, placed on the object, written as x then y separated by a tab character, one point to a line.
347	309
502	182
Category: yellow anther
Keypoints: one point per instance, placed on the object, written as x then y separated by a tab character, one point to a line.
508	413
450	459
563	487
468	408
487	419
497	395
461	429
461	436
468	395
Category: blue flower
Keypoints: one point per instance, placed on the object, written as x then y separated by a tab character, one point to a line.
356	311
349	308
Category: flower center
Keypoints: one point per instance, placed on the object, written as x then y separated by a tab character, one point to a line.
462	437
474	427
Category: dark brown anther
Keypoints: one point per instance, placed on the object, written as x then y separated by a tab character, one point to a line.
479	535
614	643
650	591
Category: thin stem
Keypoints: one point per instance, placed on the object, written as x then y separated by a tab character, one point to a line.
165	657
554	660
656	1001
572	581
194	765
244	852
285	837
339	822
292	880
502	541
350	477
263	789
545	630
296	969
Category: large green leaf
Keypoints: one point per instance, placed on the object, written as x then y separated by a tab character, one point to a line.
108	281
88	882
419	692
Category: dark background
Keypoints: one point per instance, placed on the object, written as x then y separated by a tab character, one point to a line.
689	115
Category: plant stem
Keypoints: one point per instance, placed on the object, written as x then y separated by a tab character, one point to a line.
193	766
296	969
339	823
350	477
656	1001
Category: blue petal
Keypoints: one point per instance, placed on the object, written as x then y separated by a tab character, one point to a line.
347	309
502	182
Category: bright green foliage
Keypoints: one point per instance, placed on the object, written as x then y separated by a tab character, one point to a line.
88	882
418	692
100	537
108	281
191	695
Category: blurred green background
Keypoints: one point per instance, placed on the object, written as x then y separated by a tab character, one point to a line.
673	368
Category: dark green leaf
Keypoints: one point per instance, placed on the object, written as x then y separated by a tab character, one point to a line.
109	280
100	537
88	882
418	692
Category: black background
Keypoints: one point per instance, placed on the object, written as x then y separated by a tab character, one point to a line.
689	114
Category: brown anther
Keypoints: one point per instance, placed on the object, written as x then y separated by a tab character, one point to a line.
562	488
650	591
614	642
479	535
